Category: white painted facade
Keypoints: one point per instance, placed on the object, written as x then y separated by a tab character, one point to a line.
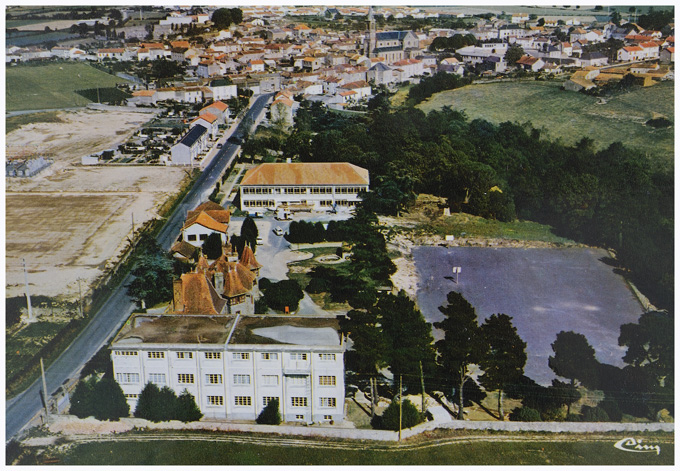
236	381
196	234
317	197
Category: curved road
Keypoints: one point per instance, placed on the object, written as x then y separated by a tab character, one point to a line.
21	409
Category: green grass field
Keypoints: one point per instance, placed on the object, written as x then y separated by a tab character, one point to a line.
570	116
52	86
490	451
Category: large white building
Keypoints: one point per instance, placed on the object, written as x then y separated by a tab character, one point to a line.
320	186
235	365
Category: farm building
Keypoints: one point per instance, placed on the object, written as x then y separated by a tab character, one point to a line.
321	186
26	167
186	151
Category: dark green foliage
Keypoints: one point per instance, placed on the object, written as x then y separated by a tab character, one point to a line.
13	450
611	407
99	363
317	285
163	68
369	344
261	306
238	243
222	18
525	414
439	82
146	403
389	420
186	408
153	273
303	232
109	401
454	42
659	123
82	399
505	355
249	232
212	246
513	54
574	359
270	415
110	95
282	294
593	414
461	346
656	20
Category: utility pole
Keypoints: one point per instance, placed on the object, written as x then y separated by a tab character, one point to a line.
28	295
47	409
133	223
80	297
422	383
400	407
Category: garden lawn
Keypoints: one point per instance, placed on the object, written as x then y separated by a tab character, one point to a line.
489	451
571	116
52	86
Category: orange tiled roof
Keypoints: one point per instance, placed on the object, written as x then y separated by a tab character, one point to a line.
199	296
248	259
206	221
312	173
209	117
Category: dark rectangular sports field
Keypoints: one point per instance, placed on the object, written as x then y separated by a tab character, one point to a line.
545	291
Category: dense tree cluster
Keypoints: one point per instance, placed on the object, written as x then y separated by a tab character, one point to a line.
452	43
439	82
153	271
656	20
281	294
158	405
611	197
222	18
102	398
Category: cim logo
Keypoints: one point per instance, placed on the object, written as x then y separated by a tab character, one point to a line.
636	446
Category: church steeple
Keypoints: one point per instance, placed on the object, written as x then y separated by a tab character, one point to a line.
369	44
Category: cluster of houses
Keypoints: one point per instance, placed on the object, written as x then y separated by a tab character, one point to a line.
210	343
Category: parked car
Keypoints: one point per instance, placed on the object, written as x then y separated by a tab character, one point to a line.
260	241
278	231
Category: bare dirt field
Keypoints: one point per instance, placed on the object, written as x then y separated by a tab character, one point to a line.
80	132
70	221
71	224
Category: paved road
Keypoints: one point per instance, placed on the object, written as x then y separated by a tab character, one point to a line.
545	291
22	408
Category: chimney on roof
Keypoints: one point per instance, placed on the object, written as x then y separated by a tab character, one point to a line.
219	282
177	298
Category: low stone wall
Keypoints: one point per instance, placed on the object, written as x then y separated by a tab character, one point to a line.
70	425
316	245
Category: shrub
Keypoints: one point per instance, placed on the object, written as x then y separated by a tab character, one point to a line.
389	420
573	418
525	414
659	123
109	401
283	293
270	414
594	414
212	247
82	398
187	410
611	407
317	285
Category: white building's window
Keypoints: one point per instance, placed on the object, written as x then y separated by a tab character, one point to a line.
243	400
327	356
131	396
327	417
267	399
241	379
299	417
213	355
157	378
127	378
191	237
297	380
326	380
185	355
270	380
213	379
215	400
241	356
327	401
155	355
185	378
270	356
298	401
126	353
298	356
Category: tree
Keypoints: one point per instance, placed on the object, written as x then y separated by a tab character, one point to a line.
574	359
389	420
505	356
186	408
212	246
408	336
222	18
513	54
109	401
249	232
564	394
282	294
461	346
163	68
650	343
146	402
270	415
153	279
82	398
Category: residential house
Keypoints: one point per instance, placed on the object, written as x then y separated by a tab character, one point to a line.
199	226
111	53
667	55
217	108
595	59
187	150
361	88
630	53
282	112
208	121
380	74
533	64
222	89
322	186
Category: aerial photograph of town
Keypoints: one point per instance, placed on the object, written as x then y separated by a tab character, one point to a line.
339	234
